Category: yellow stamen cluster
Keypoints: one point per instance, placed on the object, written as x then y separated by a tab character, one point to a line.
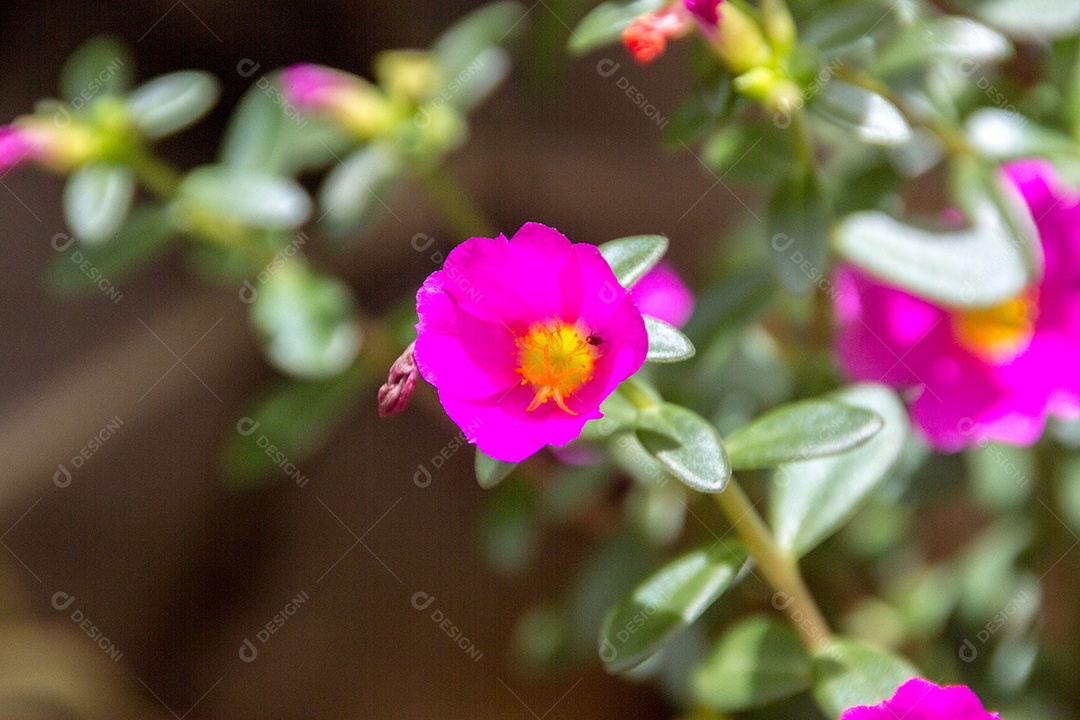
556	359
998	333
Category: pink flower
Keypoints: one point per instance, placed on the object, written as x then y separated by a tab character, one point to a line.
918	699
16	145
986	374
525	338
313	87
662	294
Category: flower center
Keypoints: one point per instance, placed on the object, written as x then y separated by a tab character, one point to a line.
556	358
1000	333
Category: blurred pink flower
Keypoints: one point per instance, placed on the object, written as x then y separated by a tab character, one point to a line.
313	87
918	699
524	338
662	294
707	11
16	146
985	374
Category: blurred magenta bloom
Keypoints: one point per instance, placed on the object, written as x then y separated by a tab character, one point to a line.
312	87
524	338
918	699
707	11
662	294
985	374
15	147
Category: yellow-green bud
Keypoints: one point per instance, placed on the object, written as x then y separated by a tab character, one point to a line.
408	74
779	25
739	41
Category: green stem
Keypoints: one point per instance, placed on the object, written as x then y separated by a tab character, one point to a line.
804	147
161	178
781	572
464	216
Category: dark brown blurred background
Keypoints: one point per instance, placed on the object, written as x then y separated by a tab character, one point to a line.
173	570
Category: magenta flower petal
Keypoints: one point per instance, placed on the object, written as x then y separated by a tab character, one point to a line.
978	375
524	339
918	699
662	294
707	11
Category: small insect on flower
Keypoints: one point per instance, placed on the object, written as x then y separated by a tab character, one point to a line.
596	339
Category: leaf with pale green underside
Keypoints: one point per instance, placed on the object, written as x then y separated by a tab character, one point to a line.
464	42
631	257
850	674
605	24
686	445
667	344
250	198
801	431
1027	19
758	661
812	499
352	195
671	600
100	66
172	102
97	199
868	116
490	471
948	38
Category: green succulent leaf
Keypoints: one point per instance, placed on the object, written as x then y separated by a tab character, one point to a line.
352	195
946	38
868	116
686	445
670	601
758	661
469	41
97	199
1027	19
101	66
631	257
489	471
801	431
605	24
172	102
849	674
307	322
667	344
811	499
250	198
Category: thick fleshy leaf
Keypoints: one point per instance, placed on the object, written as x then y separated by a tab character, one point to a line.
490	471
1028	19
870	117
620	416
101	66
287	425
1008	135
97	199
78	270
756	662
980	266
674	597
801	431
687	445
509	532
355	191
605	24
812	499
837	29
306	322
667	344
943	38
848	674
465	42
798	232
249	198
631	257
173	102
